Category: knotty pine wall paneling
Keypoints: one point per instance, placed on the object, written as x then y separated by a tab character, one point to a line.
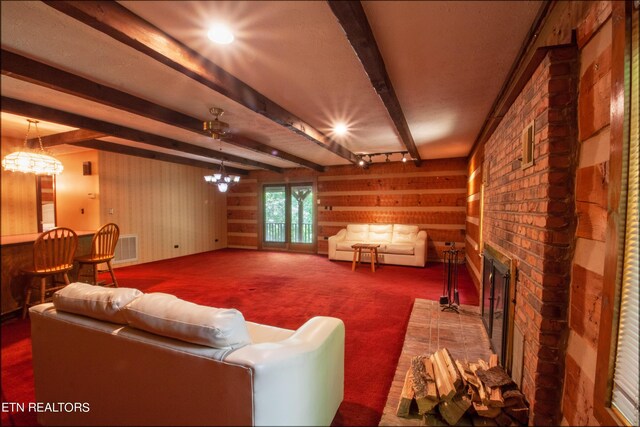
432	196
18	192
243	205
164	204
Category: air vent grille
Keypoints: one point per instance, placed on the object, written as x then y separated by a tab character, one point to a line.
126	249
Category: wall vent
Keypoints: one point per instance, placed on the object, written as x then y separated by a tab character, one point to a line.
126	249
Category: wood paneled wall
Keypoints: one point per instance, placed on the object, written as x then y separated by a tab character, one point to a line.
432	196
475	172
591	192
19	208
164	204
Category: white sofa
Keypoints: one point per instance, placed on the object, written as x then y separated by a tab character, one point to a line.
98	369
399	243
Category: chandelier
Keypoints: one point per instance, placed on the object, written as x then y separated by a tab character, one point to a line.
222	179
32	161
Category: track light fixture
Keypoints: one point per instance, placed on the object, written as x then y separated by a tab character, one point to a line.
364	160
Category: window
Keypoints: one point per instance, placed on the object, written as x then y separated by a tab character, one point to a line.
288	216
626	376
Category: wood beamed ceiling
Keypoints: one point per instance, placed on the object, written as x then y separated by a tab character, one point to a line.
129	79
119	23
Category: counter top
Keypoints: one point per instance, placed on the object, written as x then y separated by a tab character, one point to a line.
30	238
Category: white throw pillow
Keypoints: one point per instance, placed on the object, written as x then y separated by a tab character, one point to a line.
357	233
95	301
405	233
168	315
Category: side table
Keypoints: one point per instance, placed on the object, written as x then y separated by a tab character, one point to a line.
357	254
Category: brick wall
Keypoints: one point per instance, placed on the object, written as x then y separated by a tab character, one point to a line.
431	196
529	215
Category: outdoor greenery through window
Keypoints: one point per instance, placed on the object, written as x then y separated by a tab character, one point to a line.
288	213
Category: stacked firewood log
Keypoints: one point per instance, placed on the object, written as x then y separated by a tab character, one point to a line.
444	391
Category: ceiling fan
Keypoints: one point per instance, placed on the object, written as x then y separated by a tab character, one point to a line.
216	127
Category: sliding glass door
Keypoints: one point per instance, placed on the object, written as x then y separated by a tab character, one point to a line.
288	217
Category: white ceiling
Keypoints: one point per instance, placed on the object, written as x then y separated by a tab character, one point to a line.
446	60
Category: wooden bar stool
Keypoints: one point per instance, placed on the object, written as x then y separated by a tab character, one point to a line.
53	253
103	249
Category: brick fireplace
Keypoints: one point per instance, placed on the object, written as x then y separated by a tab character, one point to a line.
528	217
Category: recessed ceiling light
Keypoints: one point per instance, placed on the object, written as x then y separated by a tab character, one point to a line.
220	33
340	129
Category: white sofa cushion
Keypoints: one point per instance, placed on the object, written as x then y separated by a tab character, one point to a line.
400	248
95	301
357	232
345	245
404	233
380	233
168	315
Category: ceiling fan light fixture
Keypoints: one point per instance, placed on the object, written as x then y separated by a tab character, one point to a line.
216	127
220	34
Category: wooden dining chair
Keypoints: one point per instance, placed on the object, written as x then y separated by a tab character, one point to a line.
53	253
103	249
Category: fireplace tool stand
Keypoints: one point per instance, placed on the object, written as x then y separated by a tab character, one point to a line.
450	299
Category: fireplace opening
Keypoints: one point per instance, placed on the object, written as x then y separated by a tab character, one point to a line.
497	301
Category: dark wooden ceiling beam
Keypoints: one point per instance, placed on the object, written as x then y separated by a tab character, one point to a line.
121	24
40	112
353	20
26	69
70	137
154	155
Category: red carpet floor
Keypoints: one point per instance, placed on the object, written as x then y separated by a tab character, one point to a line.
285	290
